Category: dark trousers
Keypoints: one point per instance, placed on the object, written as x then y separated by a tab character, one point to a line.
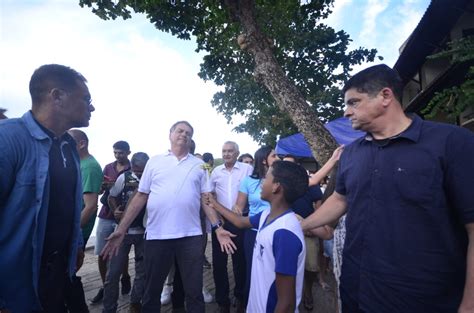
249	243
219	267
159	255
177	296
52	283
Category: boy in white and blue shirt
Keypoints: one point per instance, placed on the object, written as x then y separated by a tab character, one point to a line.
279	251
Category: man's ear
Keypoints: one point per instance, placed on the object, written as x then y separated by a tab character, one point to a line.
57	95
387	95
82	144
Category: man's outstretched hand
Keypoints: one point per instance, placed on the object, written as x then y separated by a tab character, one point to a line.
112	246
225	240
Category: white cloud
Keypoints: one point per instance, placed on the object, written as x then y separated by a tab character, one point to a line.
140	84
369	28
336	18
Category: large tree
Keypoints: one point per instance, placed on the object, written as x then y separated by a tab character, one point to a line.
279	66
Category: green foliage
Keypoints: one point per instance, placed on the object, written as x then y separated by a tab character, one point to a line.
455	100
314	56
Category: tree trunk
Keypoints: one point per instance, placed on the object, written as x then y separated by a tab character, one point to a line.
269	73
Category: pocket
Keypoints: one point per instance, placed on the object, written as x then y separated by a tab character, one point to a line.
414	184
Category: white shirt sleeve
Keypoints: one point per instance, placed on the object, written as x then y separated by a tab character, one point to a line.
118	186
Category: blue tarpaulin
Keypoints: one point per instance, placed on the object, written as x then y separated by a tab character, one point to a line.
296	145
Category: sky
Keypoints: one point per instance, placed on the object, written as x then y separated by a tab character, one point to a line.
143	80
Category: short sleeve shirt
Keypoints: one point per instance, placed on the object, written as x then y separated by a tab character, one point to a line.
279	249
252	188
174	189
91	182
408	201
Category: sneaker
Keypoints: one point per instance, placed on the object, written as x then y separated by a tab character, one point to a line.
98	297
206	264
166	294
126	285
207	296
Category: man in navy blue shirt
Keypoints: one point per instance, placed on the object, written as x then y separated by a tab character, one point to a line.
407	187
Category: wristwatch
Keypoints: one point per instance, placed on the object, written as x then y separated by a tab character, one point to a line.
216	225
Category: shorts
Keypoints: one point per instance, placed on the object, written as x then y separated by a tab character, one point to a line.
104	229
311	263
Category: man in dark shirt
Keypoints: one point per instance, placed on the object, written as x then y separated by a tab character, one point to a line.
40	193
407	188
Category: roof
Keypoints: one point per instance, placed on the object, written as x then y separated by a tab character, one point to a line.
433	28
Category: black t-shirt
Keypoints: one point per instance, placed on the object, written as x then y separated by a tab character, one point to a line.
62	186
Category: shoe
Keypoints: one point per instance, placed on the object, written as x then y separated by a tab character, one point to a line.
166	294
135	308
98	297
206	264
207	296
126	285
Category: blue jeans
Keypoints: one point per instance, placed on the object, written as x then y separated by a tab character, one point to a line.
159	255
115	268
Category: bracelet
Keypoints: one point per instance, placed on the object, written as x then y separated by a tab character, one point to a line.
216	226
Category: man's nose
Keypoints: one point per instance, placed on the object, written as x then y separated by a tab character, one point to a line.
347	111
91	108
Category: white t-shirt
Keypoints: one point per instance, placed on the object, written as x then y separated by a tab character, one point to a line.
174	190
279	248
226	183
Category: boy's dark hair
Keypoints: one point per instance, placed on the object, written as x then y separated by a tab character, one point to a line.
292	177
206	157
121	145
50	76
139	159
375	78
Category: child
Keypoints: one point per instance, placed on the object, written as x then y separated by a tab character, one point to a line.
279	251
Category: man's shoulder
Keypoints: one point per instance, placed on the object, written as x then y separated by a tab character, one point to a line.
12	127
430	128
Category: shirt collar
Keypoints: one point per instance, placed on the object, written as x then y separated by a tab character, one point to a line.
411	133
236	165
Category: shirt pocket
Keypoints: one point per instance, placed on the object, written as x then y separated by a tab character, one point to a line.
414	185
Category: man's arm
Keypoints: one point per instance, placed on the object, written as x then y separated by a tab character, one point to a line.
223	236
115	239
237	220
286	293
90	206
331	210
467	303
115	207
241	203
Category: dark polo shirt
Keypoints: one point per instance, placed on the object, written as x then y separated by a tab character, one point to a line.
408	200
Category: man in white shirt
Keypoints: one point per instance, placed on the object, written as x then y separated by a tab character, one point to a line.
172	186
225	182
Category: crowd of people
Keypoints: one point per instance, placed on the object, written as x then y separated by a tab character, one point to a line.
401	214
